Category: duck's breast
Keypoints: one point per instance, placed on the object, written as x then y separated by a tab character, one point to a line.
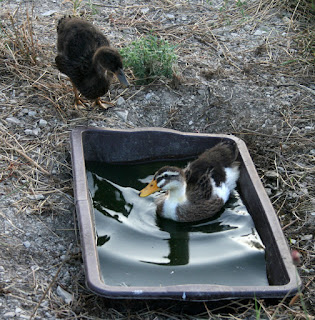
166	208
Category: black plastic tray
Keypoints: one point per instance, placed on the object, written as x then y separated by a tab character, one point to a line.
116	146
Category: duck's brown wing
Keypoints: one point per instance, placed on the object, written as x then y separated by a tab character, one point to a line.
76	70
215	160
200	210
200	189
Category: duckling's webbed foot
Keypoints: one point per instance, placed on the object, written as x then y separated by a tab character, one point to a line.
79	103
99	102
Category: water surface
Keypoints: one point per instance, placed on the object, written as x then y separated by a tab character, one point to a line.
137	248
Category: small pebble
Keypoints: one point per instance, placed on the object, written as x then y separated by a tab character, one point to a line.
10	314
26	244
49	13
271	174
269	191
170	16
149	96
36	197
145	10
65	295
28	132
123	114
13	120
18	310
307	237
120	102
42	123
259	32
296	257
36	131
32	113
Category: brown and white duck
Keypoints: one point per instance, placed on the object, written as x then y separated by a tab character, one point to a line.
201	189
85	56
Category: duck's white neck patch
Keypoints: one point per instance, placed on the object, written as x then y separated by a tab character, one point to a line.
175	197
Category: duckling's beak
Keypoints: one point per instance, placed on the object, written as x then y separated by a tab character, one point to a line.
149	189
122	78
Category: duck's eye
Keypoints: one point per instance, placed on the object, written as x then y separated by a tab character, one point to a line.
165	175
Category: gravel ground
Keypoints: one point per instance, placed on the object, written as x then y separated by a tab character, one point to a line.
243	68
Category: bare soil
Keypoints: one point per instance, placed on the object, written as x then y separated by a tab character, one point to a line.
244	68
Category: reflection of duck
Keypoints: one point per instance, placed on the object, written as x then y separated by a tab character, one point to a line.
85	56
201	189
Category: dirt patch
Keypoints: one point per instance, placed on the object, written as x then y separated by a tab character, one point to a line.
243	69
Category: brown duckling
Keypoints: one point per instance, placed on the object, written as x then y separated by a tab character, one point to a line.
85	56
201	189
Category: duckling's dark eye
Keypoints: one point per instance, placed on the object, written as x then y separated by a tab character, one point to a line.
165	175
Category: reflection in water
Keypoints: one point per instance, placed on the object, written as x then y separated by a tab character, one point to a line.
136	247
178	242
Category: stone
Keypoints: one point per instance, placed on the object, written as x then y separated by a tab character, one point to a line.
149	96
9	314
307	237
26	244
36	131
49	13
272	174
259	32
42	123
120	102
32	113
28	132
13	120
170	16
123	114
145	10
65	295
36	196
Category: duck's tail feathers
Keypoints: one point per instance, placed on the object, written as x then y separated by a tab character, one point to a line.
232	175
61	21
232	147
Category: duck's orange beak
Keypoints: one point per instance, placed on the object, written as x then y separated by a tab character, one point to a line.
149	189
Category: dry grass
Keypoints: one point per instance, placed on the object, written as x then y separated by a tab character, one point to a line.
33	166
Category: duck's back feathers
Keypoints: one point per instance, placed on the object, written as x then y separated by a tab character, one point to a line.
77	37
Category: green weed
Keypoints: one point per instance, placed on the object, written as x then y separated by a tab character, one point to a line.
149	58
257	309
77	5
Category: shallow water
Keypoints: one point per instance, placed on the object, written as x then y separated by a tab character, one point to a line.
137	248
